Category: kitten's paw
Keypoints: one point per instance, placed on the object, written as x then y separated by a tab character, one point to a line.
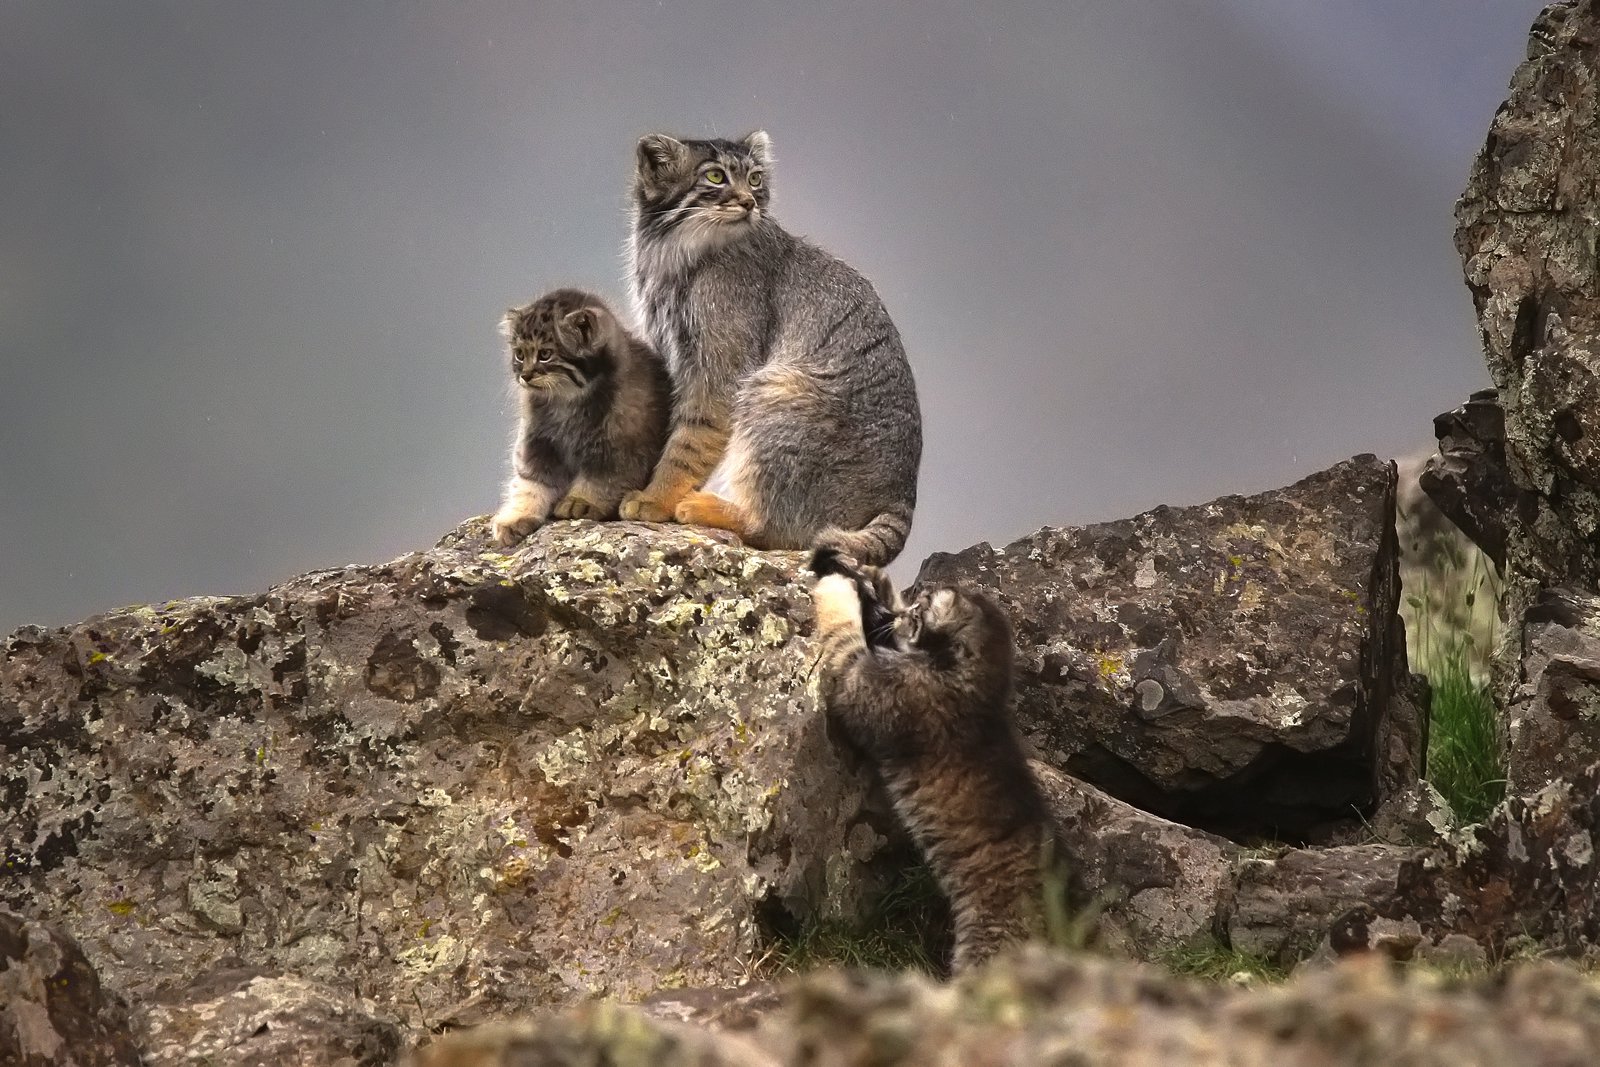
574	506
708	509
509	527
829	560
835	600
643	507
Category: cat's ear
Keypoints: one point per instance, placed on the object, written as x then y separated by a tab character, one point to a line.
658	154
584	326
760	146
508	323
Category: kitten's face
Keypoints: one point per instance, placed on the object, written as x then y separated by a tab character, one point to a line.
554	346
951	623
702	193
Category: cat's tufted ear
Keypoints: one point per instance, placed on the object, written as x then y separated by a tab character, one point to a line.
583	325
508	322
760	146
659	154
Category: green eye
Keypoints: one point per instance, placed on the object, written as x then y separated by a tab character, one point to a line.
755	179
716	176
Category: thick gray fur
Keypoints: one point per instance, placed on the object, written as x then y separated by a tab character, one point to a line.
594	403
787	346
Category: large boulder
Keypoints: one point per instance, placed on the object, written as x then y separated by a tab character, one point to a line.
1237	665
1526	230
460	783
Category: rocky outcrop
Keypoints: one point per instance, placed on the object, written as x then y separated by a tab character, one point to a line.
1157	885
53	1011
456	784
1238	665
1553	718
1525	228
259	1021
1042	1008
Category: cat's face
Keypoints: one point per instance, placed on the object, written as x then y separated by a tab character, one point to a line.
702	192
554	344
952	623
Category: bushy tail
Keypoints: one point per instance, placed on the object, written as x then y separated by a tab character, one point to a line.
876	544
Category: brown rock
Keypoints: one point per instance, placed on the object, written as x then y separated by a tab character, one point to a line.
53	1011
1525	228
462	783
1238	665
267	1021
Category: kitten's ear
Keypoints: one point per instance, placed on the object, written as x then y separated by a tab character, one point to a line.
584	326
658	154
760	146
508	323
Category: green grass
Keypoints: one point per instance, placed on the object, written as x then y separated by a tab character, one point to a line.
907	929
1218	963
1451	611
1466	763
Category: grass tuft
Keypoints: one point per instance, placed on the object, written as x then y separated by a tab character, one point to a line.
1217	963
1452	613
909	928
1466	762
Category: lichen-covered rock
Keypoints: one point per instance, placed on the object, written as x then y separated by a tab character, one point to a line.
461	783
267	1021
1529	877
1041	1008
1468	478
1285	906
1237	665
1157	885
53	1011
1525	228
1553	719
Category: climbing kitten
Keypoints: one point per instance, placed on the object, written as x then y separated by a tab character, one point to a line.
796	413
595	401
924	691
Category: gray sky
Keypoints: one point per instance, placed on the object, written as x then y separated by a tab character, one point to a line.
252	255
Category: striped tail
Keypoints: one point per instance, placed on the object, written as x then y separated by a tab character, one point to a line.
876	544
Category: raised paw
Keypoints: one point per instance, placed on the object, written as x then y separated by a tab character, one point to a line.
575	506
834	597
509	527
643	507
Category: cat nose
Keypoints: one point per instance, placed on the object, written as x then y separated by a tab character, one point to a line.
746	201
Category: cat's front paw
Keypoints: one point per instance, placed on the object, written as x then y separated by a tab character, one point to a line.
643	507
509	527
577	506
835	600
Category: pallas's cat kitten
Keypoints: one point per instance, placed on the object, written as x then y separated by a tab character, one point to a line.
594	401
924	690
796	414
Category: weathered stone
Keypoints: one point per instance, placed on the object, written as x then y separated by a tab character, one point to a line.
594	1034
1041	1008
1529	877
1285	906
1526	229
53	1011
261	1021
461	783
1238	665
1468	479
1553	720
1157	884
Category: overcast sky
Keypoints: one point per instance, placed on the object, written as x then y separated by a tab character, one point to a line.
252	255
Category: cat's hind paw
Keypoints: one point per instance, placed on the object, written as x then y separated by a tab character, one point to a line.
642	507
510	527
